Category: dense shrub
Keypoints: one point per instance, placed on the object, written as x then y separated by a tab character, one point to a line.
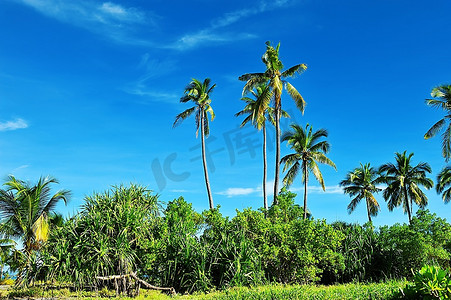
124	230
430	282
104	239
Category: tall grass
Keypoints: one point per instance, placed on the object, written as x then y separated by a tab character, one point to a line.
374	291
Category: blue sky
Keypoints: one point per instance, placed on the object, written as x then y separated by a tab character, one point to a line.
89	91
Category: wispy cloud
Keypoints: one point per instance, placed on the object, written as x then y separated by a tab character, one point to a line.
13	125
332	189
145	87
180	191
14	171
212	34
240	191
106	18
233	192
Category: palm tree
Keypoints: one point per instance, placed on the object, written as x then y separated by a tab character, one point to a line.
361	183
443	100
6	247
25	209
309	151
444	184
275	78
258	112
404	181
199	93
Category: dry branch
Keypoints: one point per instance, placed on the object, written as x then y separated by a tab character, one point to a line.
134	276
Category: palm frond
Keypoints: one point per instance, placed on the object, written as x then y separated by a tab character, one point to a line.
353	204
296	96
446	143
313	166
434	129
183	115
292	173
297	69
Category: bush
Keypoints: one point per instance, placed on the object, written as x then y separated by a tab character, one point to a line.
430	282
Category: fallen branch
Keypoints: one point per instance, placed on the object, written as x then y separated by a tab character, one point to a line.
112	277
147	285
134	276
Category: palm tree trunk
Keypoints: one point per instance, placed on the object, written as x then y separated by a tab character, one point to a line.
204	160
305	189
265	201
407	205
276	174
368	209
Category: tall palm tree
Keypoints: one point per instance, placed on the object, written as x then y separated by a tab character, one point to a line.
275	78
199	93
361	183
404	181
25	209
309	151
442	95
258	112
444	184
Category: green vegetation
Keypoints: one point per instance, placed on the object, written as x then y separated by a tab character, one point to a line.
404	183
275	79
374	291
309	151
361	184
258	112
25	213
124	232
124	239
429	282
442	99
199	93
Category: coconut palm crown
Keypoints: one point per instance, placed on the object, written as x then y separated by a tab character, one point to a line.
309	151
403	183
444	184
25	210
361	184
442	99
275	78
199	93
258	111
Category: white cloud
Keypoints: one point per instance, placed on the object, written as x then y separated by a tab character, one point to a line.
122	24
233	192
13	125
107	18
210	33
14	171
180	191
333	189
240	191
189	41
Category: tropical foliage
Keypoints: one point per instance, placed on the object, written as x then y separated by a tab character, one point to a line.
257	112
25	210
309	151
275	79
404	181
199	93
441	99
444	184
361	184
124	238
112	235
